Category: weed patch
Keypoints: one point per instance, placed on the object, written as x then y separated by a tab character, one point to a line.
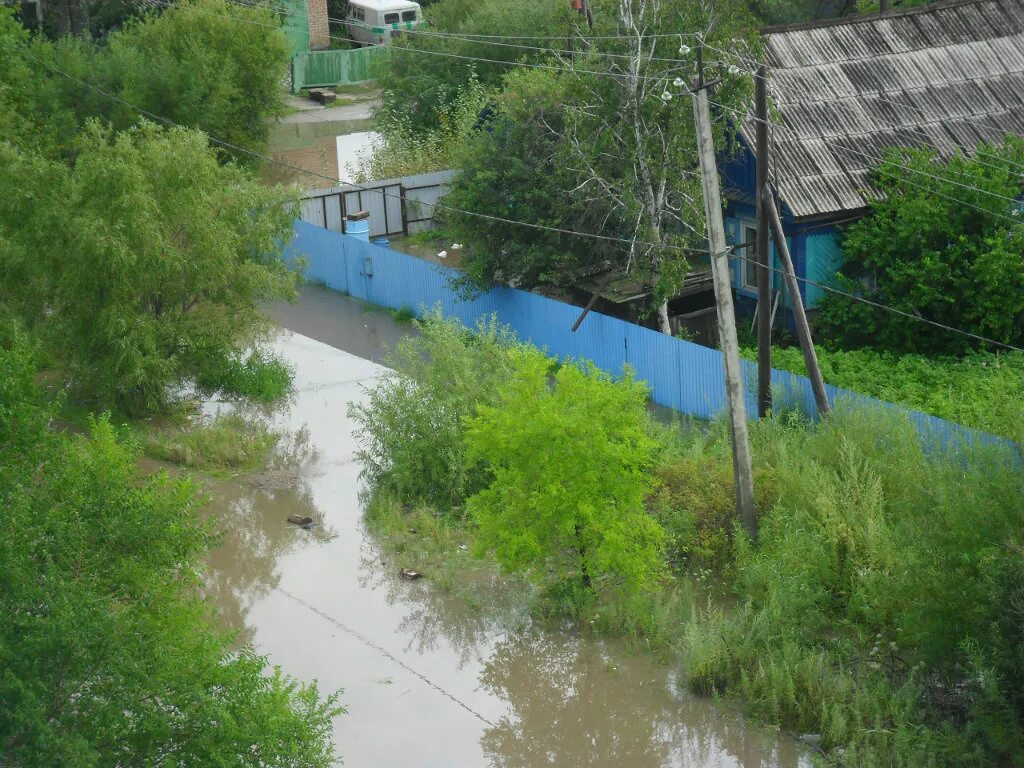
229	442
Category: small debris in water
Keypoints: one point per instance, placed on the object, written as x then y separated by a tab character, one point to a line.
300	520
410	574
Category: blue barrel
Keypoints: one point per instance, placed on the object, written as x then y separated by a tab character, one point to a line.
383	242
358	229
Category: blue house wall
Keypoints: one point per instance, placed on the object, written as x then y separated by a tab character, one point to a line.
814	247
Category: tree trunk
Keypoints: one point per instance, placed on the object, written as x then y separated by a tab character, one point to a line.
663	324
582	549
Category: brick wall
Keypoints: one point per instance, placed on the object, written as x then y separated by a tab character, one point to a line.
319	30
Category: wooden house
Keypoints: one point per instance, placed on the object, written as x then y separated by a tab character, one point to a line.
947	76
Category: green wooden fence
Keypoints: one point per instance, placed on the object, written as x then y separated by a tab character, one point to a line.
295	25
336	67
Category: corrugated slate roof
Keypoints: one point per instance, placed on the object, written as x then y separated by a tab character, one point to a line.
949	75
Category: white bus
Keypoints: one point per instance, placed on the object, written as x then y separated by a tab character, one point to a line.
375	22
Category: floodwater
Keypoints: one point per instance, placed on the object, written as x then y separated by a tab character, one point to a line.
427	681
318	149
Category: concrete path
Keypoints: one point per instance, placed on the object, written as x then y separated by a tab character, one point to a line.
351	107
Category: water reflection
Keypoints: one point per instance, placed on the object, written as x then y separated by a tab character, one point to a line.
575	702
251	515
555	699
464	616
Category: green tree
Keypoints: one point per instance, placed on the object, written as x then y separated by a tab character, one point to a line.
93	18
944	243
515	169
137	273
109	657
428	72
571	469
209	64
606	145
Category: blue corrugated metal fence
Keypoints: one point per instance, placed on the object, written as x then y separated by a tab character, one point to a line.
683	376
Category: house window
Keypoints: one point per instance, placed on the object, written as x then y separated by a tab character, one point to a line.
748	264
357	13
390	18
408	15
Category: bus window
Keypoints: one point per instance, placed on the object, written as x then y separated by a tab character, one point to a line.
390	18
408	15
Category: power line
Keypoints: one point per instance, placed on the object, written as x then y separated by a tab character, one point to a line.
887	308
336	182
602	54
651	36
443	54
486	37
484	40
253	153
386	654
848	150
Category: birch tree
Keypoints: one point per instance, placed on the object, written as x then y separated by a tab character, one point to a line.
630	138
600	149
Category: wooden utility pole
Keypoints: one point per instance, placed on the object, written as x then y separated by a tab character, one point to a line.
803	330
883	6
764	275
741	460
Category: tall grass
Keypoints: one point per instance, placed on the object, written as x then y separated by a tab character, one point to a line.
984	390
875	608
229	442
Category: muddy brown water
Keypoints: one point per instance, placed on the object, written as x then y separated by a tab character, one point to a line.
427	681
307	151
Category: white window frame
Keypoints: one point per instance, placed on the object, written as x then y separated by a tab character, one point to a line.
746	253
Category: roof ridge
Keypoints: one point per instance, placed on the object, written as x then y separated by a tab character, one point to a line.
870	17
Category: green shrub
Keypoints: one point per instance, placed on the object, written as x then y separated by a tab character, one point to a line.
947	250
259	376
411	430
403	314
